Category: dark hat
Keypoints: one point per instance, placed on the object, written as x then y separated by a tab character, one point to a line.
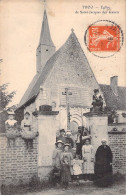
96	90
59	141
66	145
27	113
62	130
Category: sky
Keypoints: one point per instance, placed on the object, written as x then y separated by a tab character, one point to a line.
20	27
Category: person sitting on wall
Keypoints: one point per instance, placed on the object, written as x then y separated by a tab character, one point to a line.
26	126
97	101
26	122
61	136
11	126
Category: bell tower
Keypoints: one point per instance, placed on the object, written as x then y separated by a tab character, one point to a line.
46	47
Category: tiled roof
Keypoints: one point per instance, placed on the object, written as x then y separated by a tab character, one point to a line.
37	81
26	95
114	101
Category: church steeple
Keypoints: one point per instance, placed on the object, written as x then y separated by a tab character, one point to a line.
46	47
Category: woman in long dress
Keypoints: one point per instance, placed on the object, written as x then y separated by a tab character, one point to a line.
103	165
88	158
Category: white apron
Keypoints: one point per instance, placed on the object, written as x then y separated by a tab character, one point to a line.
87	153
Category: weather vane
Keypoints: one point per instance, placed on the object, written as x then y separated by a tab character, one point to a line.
72	30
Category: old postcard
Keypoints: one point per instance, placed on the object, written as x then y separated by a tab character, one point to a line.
62	97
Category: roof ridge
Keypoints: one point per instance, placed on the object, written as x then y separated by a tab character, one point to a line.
110	85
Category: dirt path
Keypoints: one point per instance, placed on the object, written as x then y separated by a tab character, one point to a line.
84	189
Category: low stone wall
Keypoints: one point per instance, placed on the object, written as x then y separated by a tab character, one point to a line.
17	163
117	143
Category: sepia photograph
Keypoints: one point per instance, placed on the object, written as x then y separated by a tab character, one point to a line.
62	97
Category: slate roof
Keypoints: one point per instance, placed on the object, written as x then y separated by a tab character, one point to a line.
45	37
114	101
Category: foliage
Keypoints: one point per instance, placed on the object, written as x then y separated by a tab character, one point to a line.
34	185
5	97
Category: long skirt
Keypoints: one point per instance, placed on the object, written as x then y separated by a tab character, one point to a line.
79	149
103	175
65	174
88	165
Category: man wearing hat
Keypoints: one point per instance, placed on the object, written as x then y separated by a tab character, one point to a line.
61	136
103	165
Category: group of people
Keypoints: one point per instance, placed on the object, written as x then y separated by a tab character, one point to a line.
12	127
70	165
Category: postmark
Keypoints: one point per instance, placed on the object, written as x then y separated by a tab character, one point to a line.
104	38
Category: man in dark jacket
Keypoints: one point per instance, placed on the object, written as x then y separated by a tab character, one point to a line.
103	165
61	136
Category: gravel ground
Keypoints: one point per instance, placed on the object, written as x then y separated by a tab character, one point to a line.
85	188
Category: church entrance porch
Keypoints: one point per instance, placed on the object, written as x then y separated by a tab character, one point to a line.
48	124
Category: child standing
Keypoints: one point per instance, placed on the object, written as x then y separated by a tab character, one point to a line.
56	162
69	155
65	172
77	168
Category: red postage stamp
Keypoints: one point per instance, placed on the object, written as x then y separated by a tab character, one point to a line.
104	38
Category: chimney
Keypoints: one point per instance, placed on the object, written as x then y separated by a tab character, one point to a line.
114	84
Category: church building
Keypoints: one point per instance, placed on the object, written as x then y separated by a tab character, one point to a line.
64	82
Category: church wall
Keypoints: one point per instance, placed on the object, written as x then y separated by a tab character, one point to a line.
67	72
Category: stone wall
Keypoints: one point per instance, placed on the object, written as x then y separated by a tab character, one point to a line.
17	163
117	143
